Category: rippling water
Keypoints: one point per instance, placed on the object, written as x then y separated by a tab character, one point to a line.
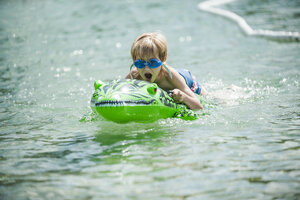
246	147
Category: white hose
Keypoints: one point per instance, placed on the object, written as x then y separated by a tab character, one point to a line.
209	6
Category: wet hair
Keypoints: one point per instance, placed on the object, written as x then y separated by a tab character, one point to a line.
150	45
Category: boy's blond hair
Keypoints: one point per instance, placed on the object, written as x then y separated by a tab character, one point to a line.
150	45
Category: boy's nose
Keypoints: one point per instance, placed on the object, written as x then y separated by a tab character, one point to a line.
147	67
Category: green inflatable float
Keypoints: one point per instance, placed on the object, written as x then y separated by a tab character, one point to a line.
129	100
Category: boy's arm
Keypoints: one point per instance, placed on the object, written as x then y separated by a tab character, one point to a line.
128	76
203	91
192	102
183	93
134	74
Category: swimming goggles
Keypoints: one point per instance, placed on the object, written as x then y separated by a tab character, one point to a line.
152	63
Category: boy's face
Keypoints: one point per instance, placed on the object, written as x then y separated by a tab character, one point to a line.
149	74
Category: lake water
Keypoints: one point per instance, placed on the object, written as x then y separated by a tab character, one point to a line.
245	147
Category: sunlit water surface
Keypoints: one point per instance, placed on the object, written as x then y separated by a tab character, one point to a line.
245	147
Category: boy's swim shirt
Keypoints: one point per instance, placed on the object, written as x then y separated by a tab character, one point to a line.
190	80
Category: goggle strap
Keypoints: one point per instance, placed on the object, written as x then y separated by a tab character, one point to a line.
130	71
167	70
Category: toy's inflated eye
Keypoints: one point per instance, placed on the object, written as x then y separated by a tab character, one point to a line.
152	89
98	84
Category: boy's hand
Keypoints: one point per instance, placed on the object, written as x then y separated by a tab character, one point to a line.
177	95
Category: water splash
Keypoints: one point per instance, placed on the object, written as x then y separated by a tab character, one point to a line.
247	91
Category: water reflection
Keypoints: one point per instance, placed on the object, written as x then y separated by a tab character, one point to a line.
122	142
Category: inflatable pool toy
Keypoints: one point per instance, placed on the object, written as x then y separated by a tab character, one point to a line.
129	100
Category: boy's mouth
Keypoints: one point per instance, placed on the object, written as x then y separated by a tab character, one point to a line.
148	76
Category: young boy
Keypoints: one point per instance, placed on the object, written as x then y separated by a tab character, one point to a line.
149	54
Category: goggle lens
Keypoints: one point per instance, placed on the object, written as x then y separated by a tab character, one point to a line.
139	63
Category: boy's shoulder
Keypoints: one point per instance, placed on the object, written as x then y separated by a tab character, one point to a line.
168	83
134	74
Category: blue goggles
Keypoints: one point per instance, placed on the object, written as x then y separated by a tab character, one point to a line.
152	63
